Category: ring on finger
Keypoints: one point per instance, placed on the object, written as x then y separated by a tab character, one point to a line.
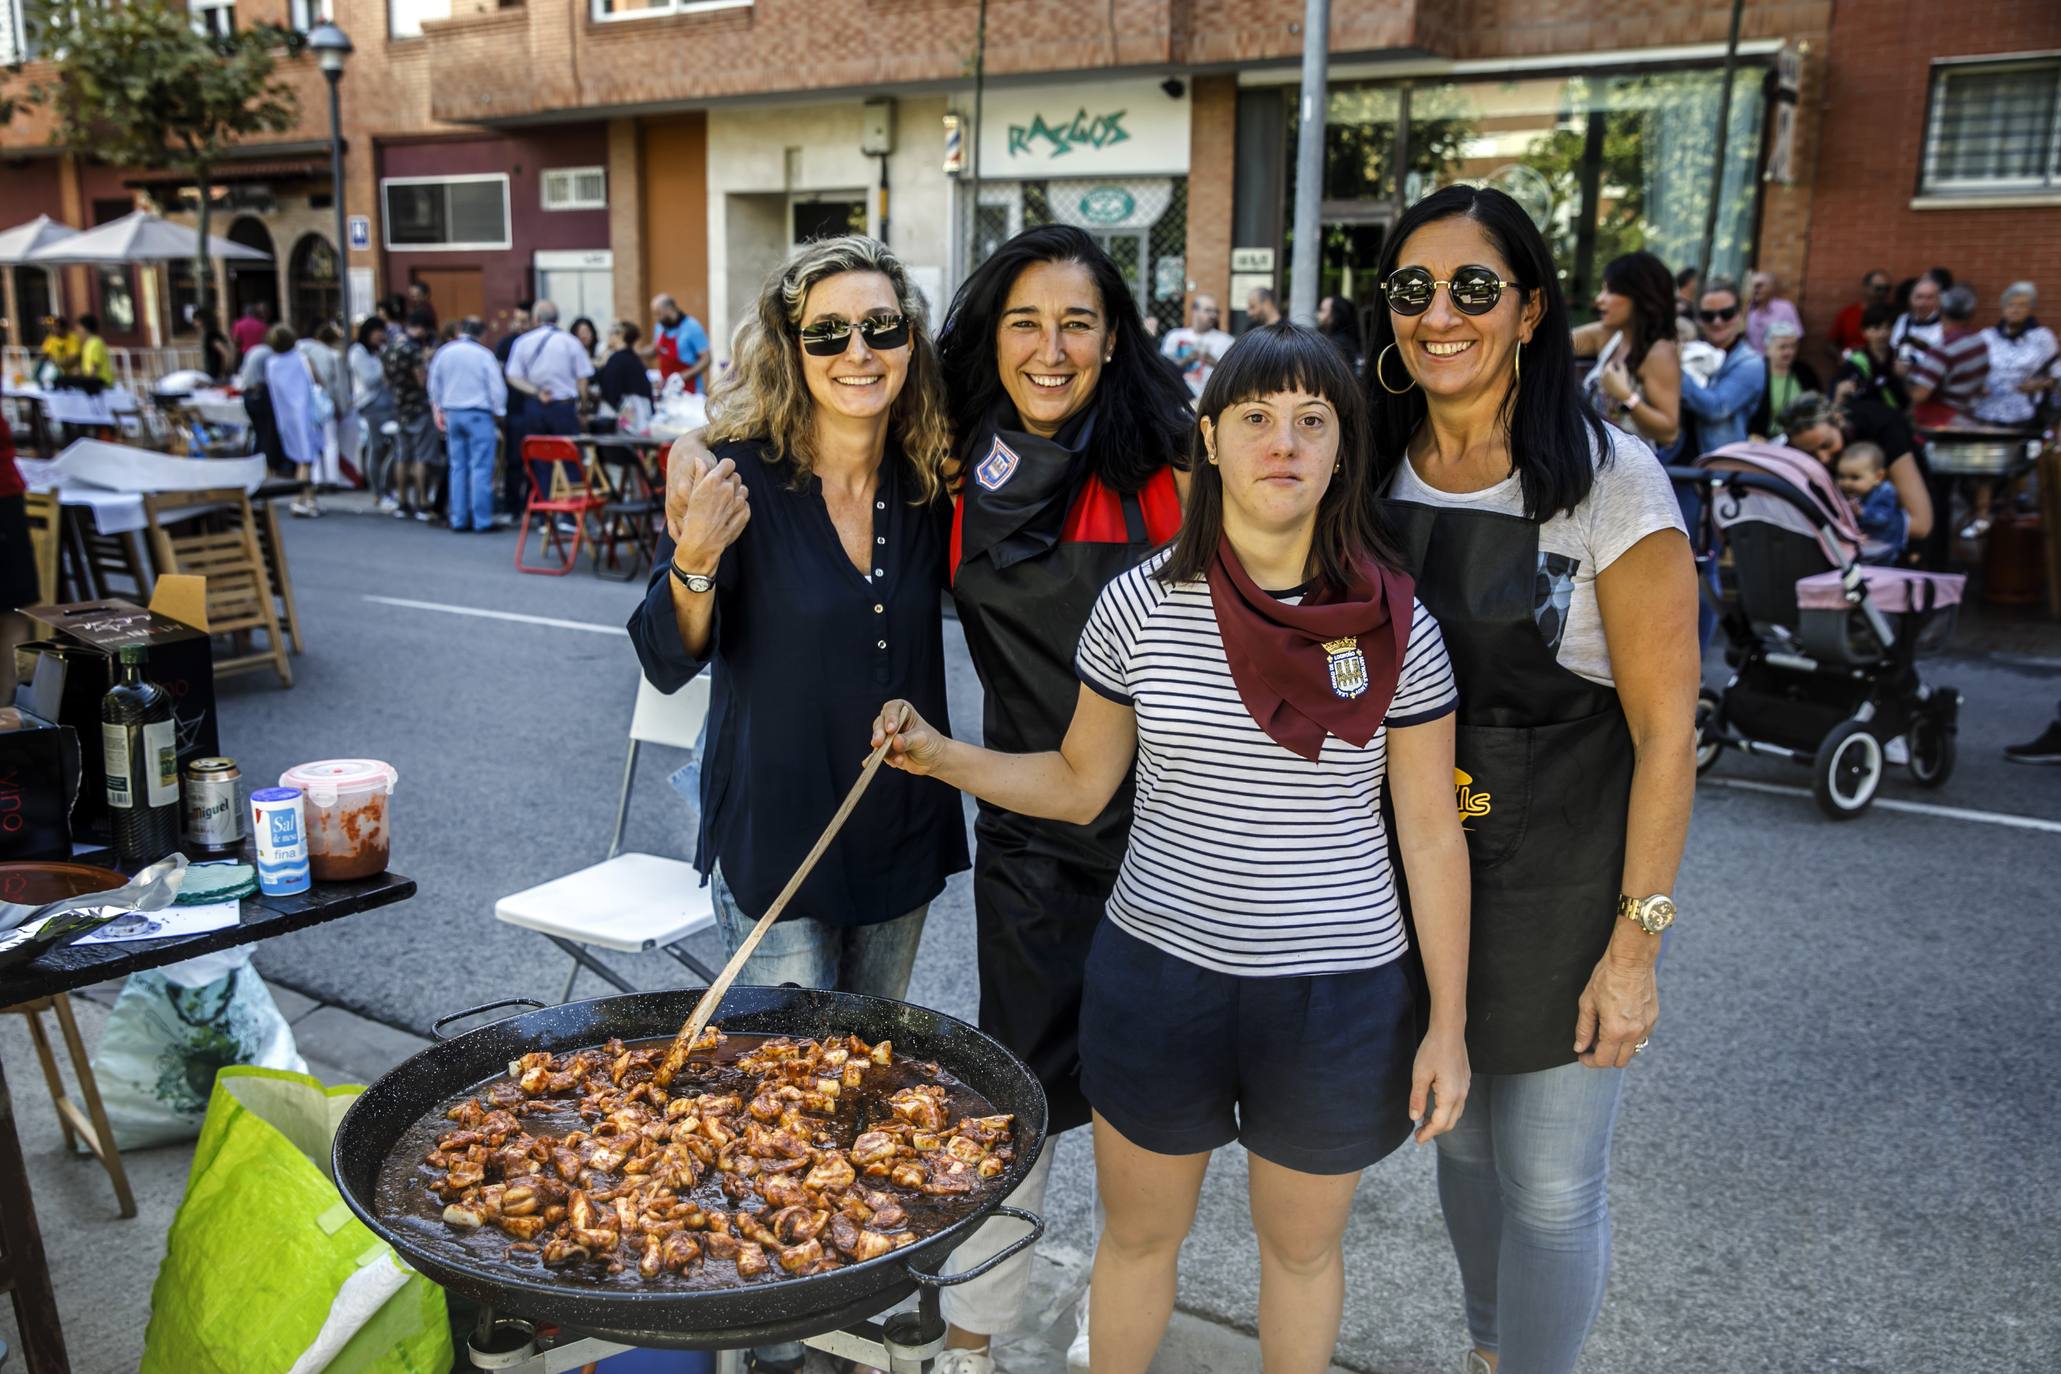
1642	1044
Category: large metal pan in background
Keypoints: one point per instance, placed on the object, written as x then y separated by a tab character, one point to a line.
718	1318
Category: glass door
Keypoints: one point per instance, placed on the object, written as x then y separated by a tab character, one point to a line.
1128	250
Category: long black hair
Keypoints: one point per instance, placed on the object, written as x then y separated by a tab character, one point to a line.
1553	432
1350	525
1643	280
1142	421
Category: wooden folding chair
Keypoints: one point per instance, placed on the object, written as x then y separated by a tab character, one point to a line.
222	546
87	1126
273	549
45	535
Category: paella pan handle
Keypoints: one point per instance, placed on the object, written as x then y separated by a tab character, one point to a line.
436	1027
1037	1229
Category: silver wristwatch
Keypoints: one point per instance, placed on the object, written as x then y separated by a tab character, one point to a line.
693	582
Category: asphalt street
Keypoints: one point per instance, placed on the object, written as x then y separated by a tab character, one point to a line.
1837	1155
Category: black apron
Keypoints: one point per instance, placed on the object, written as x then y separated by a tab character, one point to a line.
1039	887
1544	785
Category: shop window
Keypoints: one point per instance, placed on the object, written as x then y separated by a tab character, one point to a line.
1993	127
216	18
446	213
575	188
645	9
311	284
1604	166
117	301
1141	222
184	298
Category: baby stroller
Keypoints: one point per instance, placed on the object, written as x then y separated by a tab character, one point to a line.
1823	650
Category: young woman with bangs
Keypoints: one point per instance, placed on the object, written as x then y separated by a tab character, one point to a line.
1551	549
1275	682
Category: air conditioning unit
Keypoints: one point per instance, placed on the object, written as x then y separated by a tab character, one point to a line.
576	188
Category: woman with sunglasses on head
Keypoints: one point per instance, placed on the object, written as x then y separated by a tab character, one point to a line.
1277	684
1550	549
1070	440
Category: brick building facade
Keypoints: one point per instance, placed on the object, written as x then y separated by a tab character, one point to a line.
680	145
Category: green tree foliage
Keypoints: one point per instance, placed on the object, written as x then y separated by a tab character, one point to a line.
137	85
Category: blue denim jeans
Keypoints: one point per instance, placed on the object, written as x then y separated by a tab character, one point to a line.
1525	1183
875	960
471	436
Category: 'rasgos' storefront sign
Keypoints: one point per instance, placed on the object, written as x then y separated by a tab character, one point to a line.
1118	128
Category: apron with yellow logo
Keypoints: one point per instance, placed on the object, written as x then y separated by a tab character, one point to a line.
1543	782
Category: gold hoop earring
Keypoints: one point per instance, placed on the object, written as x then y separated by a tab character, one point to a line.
1381	358
1518	355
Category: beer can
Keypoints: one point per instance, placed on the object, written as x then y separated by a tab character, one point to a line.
213	819
279	824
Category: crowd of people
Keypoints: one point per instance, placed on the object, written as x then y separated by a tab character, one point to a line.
431	417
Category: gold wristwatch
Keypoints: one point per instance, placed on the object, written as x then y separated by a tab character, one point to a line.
1650	914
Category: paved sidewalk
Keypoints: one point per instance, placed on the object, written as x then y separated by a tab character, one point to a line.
103	1267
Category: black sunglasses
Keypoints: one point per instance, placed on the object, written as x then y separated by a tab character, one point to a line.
1474	290
828	338
1717	316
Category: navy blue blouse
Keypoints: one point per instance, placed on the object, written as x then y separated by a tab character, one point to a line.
805	649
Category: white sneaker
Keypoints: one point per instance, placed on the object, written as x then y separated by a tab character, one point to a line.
1476	1364
964	1362
1077	1349
1896	750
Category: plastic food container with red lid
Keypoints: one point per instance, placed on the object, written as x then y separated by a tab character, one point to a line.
349	836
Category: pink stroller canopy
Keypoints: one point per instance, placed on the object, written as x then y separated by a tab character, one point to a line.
1799	470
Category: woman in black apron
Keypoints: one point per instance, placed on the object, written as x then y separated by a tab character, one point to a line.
1554	559
1070	440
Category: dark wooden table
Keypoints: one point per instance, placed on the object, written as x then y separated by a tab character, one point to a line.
24	1274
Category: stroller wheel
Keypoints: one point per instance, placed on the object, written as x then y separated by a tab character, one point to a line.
1932	751
1709	744
1847	771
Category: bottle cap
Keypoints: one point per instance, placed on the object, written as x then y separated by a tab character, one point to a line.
134	653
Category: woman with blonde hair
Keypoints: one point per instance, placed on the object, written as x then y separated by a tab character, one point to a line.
806	574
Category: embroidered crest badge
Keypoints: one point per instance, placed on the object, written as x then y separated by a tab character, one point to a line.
1348	667
998	467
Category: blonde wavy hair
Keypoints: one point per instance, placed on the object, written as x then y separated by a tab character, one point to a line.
767	397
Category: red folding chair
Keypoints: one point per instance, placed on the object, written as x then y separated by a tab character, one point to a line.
556	494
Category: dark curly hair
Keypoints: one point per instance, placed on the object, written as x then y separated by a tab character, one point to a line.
1142	420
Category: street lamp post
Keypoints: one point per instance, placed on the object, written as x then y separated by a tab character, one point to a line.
332	48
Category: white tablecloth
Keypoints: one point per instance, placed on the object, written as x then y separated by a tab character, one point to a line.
66	407
121	512
219	407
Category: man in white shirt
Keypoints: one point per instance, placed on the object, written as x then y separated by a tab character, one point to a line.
1920	329
549	368
1196	349
468	395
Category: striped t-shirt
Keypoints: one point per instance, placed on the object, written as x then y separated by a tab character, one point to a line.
1244	857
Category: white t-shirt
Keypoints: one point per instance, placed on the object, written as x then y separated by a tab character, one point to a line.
1631	499
1197	353
1244	857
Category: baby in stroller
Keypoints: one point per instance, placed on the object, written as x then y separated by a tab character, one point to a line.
1864	477
1823	648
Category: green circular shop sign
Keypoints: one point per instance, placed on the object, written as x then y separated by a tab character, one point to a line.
1108	205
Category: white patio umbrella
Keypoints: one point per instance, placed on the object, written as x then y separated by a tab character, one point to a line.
17	243
137	238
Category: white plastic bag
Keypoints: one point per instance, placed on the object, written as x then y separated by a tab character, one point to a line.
172	1030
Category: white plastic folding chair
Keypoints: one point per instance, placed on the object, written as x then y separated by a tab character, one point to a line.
628	902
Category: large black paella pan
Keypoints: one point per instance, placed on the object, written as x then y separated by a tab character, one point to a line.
789	1307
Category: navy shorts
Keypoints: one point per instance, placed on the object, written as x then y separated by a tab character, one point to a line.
1308	1072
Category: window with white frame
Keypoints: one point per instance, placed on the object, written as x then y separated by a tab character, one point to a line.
404	18
304	15
16	44
646	9
575	188
1994	128
216	18
439	214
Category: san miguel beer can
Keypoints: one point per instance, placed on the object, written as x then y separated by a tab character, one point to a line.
214	822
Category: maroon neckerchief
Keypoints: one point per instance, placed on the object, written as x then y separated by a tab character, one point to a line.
1325	666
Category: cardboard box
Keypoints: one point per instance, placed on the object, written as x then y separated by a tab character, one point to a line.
39	780
64	676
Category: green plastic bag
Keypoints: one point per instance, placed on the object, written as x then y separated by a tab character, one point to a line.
265	1270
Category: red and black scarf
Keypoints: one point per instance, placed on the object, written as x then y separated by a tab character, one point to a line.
1324	666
